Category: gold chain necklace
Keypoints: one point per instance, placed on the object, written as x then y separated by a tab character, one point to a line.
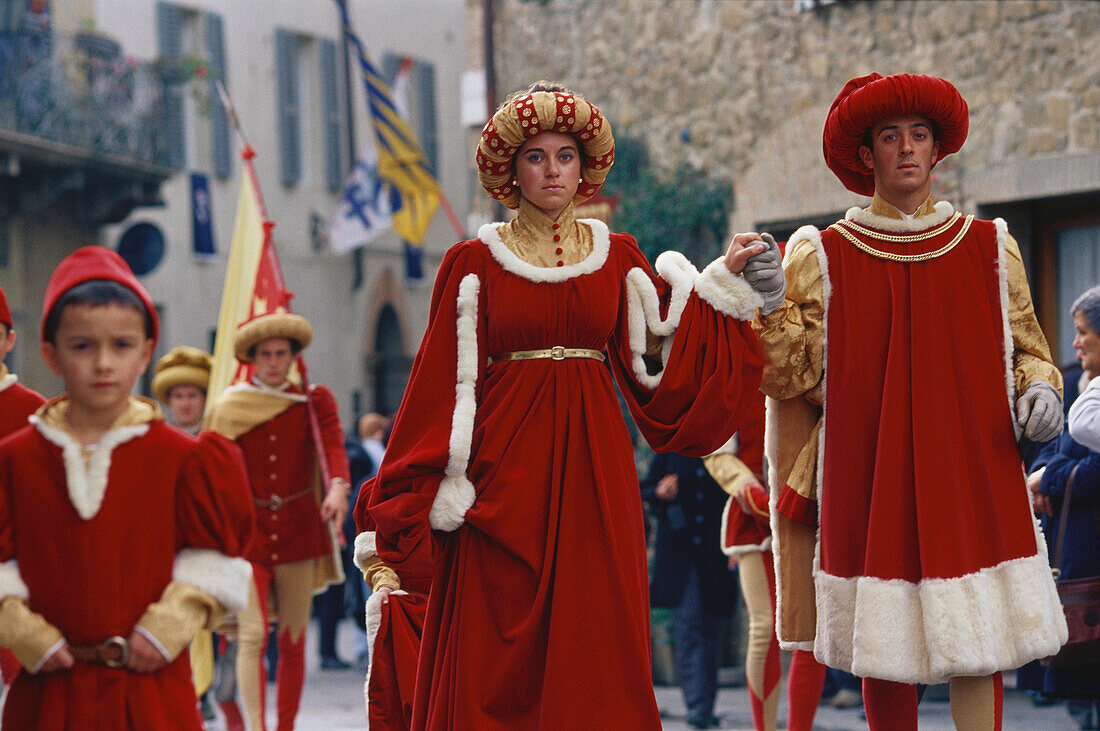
905	258
907	239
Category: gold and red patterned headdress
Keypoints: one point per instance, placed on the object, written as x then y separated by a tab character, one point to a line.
523	117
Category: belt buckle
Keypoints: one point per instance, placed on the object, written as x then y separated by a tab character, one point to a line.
557	352
274	502
115	651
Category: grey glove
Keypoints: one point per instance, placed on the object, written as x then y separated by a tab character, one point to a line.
1039	412
764	273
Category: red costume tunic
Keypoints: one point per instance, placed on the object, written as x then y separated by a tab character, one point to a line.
929	562
17	402
538	615
91	569
281	463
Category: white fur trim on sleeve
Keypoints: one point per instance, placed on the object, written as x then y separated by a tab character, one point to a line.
226	579
366	547
644	308
456	492
727	292
11	581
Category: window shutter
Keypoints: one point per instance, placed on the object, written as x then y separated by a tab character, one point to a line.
334	168
221	138
286	67
169	20
423	76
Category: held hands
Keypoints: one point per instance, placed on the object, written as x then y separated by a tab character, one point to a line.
1039	412
762	267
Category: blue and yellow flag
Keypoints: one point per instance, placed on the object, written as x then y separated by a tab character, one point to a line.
401	162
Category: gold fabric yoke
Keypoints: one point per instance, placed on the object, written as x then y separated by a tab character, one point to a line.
530	236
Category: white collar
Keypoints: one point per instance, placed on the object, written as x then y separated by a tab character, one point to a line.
601	245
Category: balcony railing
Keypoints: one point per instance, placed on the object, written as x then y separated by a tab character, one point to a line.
80	90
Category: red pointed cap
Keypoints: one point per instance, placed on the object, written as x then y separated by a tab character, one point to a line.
867	100
84	265
5	312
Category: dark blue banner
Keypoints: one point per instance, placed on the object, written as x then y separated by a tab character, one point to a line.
201	225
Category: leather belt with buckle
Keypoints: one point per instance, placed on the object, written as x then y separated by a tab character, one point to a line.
112	652
275	502
558	352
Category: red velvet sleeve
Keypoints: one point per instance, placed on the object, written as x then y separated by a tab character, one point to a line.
214	503
332	432
712	365
399	498
7	529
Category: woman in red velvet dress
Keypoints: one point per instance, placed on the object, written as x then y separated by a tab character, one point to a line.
509	478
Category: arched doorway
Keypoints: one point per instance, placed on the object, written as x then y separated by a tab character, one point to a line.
391	365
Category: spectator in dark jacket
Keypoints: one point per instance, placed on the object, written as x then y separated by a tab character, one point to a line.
1081	551
690	573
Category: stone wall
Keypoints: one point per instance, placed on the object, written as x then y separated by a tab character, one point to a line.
741	88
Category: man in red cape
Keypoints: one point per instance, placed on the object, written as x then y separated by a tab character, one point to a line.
903	366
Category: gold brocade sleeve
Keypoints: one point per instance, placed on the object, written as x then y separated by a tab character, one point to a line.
28	635
178	615
378	574
730	472
792	336
1031	360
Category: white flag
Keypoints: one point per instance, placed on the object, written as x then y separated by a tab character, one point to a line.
365	208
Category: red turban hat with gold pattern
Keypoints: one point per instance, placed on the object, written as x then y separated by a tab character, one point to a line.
867	100
523	117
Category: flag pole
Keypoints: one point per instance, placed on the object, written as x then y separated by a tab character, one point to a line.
247	153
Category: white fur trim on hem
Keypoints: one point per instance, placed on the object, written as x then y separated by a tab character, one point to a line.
373	613
226	579
998	618
11	581
727	292
456	493
942	211
601	245
644	309
366	547
87	484
8	380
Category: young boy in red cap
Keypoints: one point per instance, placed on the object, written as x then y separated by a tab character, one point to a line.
903	366
17	402
120	536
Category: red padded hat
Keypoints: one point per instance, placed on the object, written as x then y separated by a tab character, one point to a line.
5	312
88	263
867	100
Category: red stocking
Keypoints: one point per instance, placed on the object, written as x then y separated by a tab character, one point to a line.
890	706
232	712
290	677
805	679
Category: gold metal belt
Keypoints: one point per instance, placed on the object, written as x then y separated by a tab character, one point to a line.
558	352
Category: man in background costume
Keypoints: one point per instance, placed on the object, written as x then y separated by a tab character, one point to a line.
903	366
295	552
17	402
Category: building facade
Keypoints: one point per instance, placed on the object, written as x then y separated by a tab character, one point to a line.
303	111
741	90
